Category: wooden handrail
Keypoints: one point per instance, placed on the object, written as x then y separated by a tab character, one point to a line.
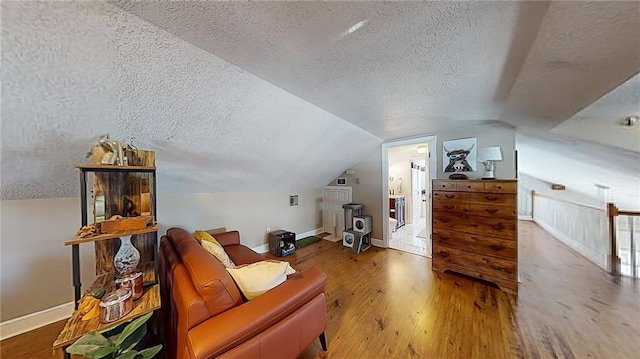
614	259
567	201
628	213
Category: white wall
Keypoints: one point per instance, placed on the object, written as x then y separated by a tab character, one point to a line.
531	183
369	169
580	166
487	135
36	266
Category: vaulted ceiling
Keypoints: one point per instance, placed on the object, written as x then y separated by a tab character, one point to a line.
241	96
399	69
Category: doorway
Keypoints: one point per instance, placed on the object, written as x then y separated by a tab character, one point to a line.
408	167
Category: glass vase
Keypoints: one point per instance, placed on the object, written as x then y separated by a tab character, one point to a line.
127	258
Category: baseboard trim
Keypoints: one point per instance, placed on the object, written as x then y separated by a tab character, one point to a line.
378	242
261	249
522	217
310	233
20	325
333	239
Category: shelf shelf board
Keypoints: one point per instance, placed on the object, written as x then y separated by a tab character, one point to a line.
105	236
76	327
99	167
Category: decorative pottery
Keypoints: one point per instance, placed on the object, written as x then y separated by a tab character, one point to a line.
131	281
127	258
115	305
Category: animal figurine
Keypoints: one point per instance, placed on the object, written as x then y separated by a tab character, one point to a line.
129	208
114	151
458	160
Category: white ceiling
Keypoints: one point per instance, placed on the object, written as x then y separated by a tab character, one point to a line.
248	96
419	67
601	121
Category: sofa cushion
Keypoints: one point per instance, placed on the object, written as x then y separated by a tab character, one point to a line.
209	277
242	255
256	278
217	251
205	236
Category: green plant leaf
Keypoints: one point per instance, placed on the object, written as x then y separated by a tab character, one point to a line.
150	352
132	328
89	342
128	355
101	352
132	340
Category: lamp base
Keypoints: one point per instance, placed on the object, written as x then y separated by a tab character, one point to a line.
488	170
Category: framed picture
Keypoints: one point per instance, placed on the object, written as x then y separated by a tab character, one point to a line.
460	155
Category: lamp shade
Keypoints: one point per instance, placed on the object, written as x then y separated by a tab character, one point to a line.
489	154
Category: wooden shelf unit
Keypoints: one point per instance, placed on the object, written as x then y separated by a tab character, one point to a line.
114	183
76	327
107	168
105	236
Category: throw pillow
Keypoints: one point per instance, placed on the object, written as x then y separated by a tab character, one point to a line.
257	278
219	253
205	236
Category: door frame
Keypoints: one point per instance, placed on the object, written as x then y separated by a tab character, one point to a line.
432	141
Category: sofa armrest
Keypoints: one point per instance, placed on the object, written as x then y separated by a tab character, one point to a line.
227	238
237	325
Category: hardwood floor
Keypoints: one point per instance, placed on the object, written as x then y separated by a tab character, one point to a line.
389	304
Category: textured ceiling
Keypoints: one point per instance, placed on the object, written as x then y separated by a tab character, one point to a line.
413	67
72	71
250	96
601	121
583	50
419	67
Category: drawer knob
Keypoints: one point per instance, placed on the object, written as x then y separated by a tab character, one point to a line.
491	210
444	220
499	187
496	247
444	254
449	207
450	195
491	198
498	227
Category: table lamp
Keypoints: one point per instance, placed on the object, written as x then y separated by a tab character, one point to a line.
488	156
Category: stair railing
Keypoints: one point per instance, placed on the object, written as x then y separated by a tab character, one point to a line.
616	265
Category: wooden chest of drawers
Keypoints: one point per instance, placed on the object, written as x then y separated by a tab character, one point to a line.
475	230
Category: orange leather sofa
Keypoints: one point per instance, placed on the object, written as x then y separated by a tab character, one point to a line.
204	314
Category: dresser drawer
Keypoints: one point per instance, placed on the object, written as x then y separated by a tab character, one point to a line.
493	266
489	226
500	187
504	199
446	205
490	210
470	186
449	197
442	185
483	245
